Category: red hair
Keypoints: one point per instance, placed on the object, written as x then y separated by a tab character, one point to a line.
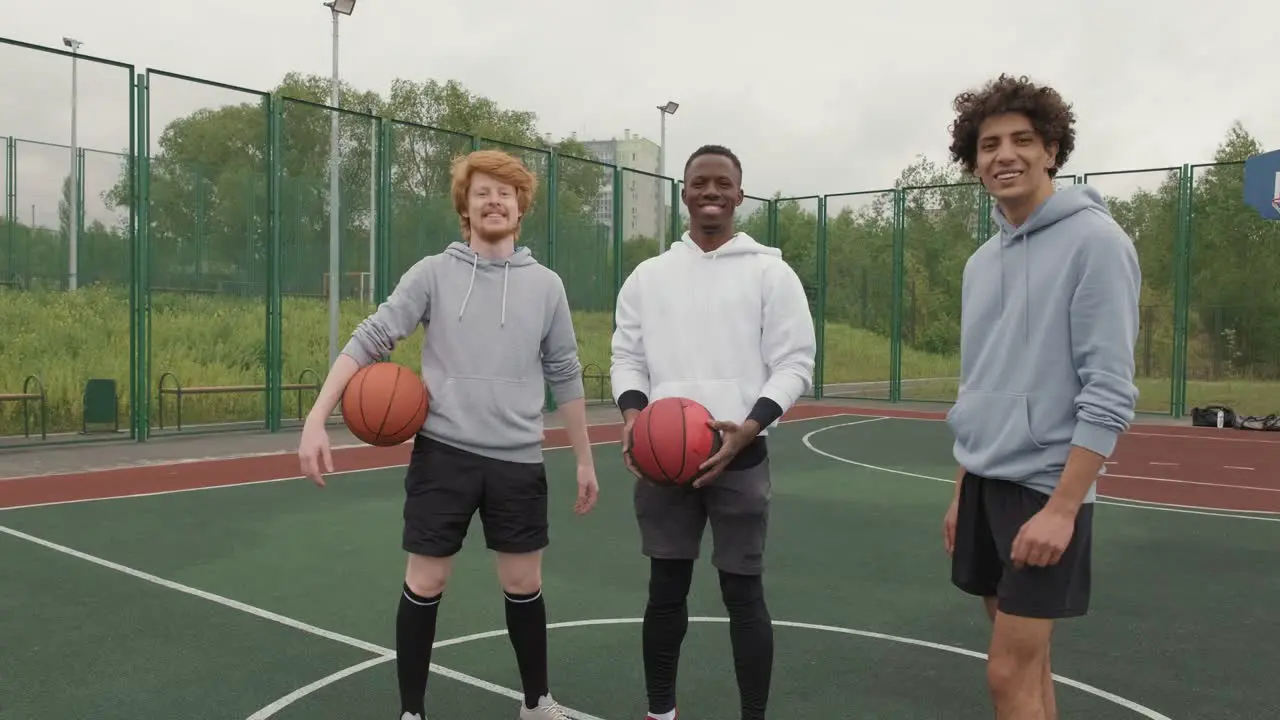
505	168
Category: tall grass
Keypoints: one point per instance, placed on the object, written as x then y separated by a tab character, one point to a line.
66	339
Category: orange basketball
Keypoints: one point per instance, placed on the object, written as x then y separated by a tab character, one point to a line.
384	404
670	439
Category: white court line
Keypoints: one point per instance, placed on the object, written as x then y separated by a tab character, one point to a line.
1128	433
1111	697
336	473
377	650
1147	505
1193	482
1236	467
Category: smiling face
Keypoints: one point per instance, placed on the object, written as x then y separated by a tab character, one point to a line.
1013	163
492	209
712	192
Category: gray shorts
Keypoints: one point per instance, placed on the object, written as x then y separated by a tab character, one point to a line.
672	519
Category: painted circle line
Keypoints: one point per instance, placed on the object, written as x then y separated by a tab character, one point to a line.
1102	499
307	690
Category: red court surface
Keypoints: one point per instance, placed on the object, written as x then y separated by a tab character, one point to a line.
1183	466
1203	468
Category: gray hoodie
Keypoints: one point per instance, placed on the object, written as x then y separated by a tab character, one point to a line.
1049	323
495	330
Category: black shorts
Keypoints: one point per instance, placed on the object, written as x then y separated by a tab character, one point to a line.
445	486
673	518
989	516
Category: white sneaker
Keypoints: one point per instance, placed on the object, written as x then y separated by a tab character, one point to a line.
412	716
548	709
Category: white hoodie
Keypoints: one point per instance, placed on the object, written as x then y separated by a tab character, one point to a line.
723	328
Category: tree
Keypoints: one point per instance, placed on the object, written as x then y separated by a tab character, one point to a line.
208	182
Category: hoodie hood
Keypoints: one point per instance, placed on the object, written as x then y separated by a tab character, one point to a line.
1061	205
521	258
740	244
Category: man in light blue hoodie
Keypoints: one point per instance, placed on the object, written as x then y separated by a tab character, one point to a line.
498	327
1049	321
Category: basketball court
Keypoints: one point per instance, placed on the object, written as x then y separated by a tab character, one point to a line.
212	589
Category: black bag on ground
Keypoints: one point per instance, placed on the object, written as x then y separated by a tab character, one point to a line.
1208	416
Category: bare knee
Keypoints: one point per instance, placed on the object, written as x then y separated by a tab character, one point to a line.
1016	663
427	576
520	574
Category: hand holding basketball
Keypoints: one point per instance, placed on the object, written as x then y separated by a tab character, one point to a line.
733	437
627	440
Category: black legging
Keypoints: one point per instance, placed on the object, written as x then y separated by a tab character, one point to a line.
666	621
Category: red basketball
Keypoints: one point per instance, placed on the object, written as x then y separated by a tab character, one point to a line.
384	404
670	439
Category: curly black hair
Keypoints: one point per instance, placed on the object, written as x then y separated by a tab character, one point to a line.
1050	115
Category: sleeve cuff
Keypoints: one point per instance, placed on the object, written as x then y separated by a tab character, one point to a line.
1097	439
632	400
765	412
568	390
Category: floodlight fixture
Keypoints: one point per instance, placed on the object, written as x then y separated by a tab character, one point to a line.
342	7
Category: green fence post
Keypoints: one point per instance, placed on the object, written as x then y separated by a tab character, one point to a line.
674	220
821	324
899	282
1182	291
133	253
142	260
382	280
273	106
772	214
617	237
552	229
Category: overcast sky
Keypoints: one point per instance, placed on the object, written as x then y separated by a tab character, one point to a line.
815	96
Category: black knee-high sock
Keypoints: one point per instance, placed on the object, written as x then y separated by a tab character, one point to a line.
527	628
666	620
415	633
751	635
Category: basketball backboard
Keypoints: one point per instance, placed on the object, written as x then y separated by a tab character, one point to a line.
1262	184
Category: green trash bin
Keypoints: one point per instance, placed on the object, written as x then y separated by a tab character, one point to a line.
101	405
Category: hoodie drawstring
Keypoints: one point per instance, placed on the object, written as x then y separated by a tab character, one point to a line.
506	272
474	261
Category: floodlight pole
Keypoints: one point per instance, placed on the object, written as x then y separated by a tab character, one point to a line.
335	258
73	224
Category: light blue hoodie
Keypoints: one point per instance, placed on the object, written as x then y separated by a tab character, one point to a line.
1048	328
496	330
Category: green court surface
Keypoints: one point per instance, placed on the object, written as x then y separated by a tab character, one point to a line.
278	600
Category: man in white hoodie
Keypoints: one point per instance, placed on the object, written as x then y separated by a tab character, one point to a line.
722	320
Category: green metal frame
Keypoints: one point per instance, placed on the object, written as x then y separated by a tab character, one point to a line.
142	370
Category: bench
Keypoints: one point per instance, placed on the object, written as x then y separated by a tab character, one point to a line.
32	391
179	392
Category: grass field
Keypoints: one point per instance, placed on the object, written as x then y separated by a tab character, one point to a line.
67	338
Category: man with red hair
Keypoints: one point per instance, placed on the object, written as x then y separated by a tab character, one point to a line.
499	326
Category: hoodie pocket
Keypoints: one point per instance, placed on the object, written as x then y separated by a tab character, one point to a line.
488	412
993	424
